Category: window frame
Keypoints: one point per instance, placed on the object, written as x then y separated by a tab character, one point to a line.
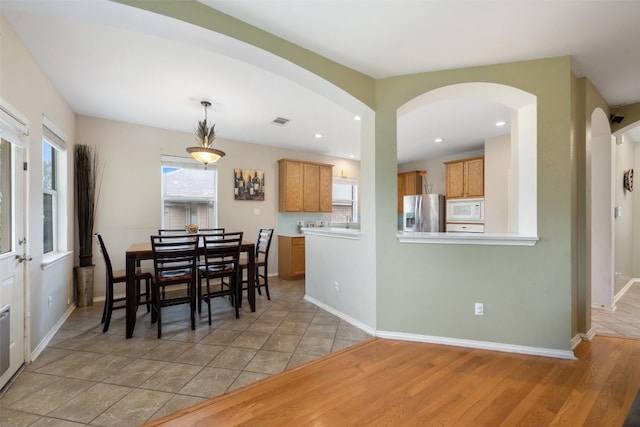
352	202
53	193
6	190
194	202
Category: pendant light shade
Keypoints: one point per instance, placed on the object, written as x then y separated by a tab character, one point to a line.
205	135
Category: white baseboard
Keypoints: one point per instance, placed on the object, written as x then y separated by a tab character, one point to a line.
483	345
610	308
45	341
349	319
624	290
580	337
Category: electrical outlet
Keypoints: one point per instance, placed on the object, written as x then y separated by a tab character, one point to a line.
50	300
479	309
300	223
337	286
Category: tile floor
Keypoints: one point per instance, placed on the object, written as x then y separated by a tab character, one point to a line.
85	377
625	321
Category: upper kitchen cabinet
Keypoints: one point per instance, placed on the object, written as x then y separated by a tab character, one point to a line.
304	186
409	184
465	178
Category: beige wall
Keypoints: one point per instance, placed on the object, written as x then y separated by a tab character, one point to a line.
26	88
129	208
623	225
497	159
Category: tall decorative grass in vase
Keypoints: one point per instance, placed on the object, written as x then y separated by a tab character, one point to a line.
85	160
86	184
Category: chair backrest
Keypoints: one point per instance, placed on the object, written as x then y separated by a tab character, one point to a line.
211	230
221	250
182	231
105	255
174	258
171	231
264	242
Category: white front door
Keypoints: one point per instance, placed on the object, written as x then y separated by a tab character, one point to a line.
13	251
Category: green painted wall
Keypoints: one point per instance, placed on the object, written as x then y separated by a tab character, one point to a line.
530	293
357	84
431	289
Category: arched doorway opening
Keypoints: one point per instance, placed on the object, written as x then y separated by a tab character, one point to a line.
600	202
521	166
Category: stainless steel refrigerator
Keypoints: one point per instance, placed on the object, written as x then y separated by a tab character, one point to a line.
424	212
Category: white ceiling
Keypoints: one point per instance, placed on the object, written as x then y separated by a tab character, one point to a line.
116	62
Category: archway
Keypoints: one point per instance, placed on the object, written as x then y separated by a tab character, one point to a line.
522	193
600	201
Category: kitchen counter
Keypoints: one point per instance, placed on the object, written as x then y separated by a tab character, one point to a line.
337	232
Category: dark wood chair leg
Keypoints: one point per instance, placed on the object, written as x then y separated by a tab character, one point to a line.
108	307
209	301
266	282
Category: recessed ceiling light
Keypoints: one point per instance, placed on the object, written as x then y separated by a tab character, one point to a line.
501	123
358	118
351	156
318	135
438	140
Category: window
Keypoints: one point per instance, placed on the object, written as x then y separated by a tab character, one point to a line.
49	197
5	196
54	189
188	194
345	200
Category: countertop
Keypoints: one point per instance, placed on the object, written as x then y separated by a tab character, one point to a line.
291	235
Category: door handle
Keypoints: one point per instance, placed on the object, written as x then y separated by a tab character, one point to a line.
22	258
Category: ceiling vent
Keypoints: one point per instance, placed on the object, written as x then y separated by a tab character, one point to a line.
280	121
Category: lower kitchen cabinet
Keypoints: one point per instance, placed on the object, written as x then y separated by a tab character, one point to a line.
291	264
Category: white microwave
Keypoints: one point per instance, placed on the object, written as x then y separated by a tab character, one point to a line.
465	210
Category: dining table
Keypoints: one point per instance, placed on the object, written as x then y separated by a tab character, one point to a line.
142	251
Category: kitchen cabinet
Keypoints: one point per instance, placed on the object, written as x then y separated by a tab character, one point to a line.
465	178
291	257
409	184
304	186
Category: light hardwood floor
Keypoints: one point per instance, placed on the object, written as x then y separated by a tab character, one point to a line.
396	383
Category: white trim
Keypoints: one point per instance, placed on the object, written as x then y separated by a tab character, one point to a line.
589	336
576	340
53	134
483	345
53	258
342	316
341	233
47	339
13	126
624	290
467	238
610	308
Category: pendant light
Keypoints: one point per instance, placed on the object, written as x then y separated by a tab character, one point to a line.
205	136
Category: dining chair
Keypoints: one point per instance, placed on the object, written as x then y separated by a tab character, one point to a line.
263	244
221	261
171	231
119	276
211	230
175	265
174	231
